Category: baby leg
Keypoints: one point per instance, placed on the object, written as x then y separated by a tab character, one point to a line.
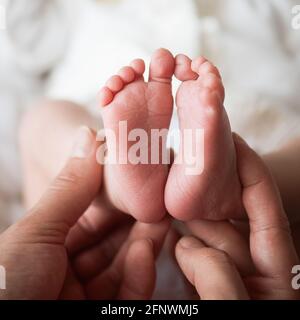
46	139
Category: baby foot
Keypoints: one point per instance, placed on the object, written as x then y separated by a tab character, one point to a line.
138	189
216	193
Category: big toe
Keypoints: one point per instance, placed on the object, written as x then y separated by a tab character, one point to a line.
162	66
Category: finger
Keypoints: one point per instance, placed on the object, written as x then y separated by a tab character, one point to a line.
271	244
211	271
156	232
93	226
72	289
88	263
112	276
224	236
139	272
71	192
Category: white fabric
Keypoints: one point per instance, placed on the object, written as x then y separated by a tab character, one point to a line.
31	45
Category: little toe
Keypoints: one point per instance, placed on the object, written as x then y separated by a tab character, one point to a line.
208	67
162	66
115	84
127	74
183	70
105	96
138	66
197	63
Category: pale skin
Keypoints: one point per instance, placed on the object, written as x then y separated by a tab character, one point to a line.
144	105
63	119
149	105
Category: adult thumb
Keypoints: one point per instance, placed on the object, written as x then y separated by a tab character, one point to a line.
73	190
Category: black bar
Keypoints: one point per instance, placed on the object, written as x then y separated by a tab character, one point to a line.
94	310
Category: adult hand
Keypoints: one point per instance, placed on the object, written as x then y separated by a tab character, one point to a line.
66	247
223	263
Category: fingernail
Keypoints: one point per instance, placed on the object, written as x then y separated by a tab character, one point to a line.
83	143
189	243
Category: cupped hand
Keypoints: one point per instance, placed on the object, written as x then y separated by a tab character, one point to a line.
70	247
224	262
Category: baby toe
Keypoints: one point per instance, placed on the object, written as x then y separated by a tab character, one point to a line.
183	70
197	63
115	83
138	66
127	74
105	96
207	67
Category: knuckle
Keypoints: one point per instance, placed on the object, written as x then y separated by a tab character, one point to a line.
66	180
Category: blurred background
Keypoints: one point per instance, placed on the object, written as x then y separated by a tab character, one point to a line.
66	49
